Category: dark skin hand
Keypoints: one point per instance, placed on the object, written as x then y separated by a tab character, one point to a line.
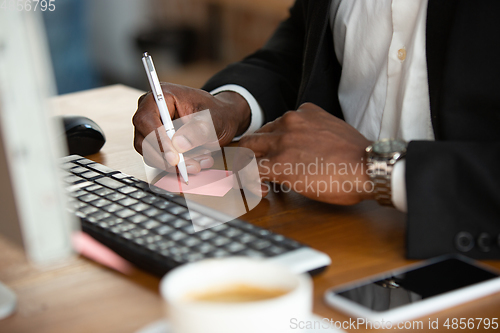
310	136
229	111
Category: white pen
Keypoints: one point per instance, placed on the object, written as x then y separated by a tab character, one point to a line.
162	107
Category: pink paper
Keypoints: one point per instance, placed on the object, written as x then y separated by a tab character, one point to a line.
92	249
214	183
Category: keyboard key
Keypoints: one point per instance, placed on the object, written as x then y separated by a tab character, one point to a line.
138	218
149	198
78	194
72	179
112	208
162	204
113	220
78	169
204	248
164	229
220	241
139	207
138	195
164	244
127	181
177	235
124	213
190	241
141	184
139	232
235	247
219	253
165	217
152	212
246	238
87	210
95	187
179	250
192	257
232	232
103	225
189	229
69	165
90	175
128	202
252	253
274	251
120	175
206	235
219	227
277	238
262	232
291	244
111	183
176	210
103	191
205	222
127	189
100	203
84	161
179	223
150	224
153	239
102	168
260	244
115	196
98	216
88	198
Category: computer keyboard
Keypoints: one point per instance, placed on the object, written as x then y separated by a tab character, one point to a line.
153	229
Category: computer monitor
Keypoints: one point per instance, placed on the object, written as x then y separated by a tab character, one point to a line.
32	200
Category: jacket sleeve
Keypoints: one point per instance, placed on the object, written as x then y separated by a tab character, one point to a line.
453	192
272	74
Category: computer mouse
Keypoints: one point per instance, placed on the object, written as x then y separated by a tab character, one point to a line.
83	136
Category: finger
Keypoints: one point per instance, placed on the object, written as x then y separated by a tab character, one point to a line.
205	161
197	131
260	143
147	118
153	157
161	144
192	166
269	127
171	155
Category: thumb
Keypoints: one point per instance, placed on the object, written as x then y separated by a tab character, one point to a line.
198	130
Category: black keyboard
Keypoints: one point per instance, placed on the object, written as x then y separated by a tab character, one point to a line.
152	228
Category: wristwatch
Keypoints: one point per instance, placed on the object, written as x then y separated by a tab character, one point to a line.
381	157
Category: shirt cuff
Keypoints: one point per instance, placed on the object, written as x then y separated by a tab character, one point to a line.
398	186
257	115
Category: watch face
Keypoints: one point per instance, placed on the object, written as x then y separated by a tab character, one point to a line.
386	147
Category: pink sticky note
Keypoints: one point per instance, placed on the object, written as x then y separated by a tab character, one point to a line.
92	249
208	182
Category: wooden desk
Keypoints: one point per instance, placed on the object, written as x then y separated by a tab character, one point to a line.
85	297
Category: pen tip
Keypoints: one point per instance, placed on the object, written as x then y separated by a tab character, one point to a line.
187	183
145	54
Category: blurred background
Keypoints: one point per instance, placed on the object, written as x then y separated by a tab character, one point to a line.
95	43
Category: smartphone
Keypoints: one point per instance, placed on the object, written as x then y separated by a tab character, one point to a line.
416	290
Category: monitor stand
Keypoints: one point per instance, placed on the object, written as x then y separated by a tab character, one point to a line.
8	301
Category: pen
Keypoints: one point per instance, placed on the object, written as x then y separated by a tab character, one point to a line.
162	107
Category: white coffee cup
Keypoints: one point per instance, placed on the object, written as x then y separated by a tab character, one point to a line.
187	314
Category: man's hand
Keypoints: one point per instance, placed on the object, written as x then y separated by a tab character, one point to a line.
313	153
230	115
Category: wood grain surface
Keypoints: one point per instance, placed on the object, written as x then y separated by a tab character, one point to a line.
82	296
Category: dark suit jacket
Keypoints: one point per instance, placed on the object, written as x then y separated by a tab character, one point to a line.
453	184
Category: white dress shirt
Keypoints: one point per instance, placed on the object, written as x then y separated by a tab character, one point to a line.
383	88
